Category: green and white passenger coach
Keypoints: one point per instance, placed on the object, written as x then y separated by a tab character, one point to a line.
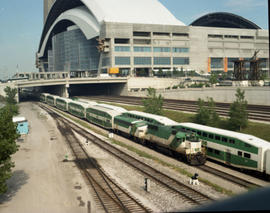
233	148
103	115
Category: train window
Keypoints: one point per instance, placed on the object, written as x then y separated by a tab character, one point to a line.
224	139
188	129
199	133
217	152
193	130
246	155
239	153
204	134
247	145
232	141
211	136
217	137
209	149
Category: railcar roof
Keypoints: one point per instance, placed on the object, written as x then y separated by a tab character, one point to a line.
84	105
119	109
105	109
161	119
250	139
64	99
45	94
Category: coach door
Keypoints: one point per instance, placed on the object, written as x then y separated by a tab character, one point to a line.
228	156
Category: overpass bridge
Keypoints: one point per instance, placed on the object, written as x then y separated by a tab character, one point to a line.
60	83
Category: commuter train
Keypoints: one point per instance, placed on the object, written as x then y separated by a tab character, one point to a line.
189	141
148	129
232	148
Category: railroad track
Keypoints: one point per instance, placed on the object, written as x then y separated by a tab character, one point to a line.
229	177
110	196
256	112
187	193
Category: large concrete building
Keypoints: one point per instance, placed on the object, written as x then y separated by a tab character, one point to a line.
140	37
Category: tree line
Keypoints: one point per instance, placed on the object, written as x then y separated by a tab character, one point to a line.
206	113
8	136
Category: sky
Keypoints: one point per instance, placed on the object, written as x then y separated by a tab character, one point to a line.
21	23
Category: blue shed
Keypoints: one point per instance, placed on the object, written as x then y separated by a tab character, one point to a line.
22	125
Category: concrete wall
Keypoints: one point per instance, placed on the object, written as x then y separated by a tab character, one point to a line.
254	95
158	83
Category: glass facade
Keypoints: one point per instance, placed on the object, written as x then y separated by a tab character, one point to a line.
231	62
122	49
162	49
217	63
180	50
72	51
162	60
142	49
180	61
142	60
122	60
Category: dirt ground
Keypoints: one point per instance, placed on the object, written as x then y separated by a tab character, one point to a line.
41	181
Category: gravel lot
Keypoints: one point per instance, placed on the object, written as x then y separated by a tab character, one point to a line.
41	181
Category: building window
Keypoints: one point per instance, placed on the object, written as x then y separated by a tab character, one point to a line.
142	60
180	50
216	62
247	37
180	35
215	36
162	49
122	49
122	60
231	62
180	61
142	49
231	36
106	61
162	60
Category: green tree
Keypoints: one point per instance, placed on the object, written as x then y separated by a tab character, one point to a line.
213	79
8	136
10	100
238	115
206	114
153	103
10	95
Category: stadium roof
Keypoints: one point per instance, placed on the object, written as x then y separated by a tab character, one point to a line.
224	20
92	13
